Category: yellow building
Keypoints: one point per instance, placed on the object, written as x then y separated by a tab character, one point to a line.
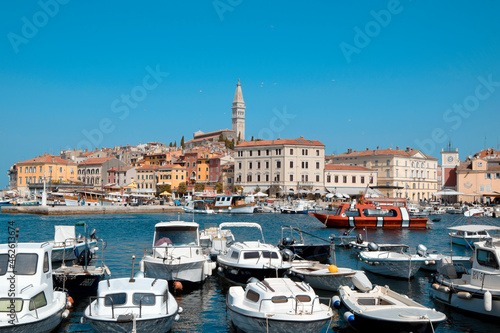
172	175
47	167
479	180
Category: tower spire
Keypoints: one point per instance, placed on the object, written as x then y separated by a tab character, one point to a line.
238	113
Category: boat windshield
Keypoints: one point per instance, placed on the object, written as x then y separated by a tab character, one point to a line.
176	236
143	299
25	263
4	261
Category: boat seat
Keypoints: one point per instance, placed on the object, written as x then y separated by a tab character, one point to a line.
446	268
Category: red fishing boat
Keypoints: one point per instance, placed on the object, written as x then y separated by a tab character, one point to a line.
372	214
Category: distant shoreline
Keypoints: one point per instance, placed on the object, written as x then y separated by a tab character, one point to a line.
84	210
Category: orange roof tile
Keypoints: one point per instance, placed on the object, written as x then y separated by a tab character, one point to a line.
300	142
47	159
97	160
379	152
149	167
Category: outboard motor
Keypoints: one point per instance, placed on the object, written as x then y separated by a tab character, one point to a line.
359	239
287	241
421	250
287	254
372	246
92	234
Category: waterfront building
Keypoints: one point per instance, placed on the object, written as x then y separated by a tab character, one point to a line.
282	164
46	168
478	178
401	173
94	171
147	178
349	179
121	176
172	174
216	164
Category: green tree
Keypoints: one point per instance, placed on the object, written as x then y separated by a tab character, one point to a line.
182	189
221	138
175	143
251	138
199	187
182	142
218	187
170	145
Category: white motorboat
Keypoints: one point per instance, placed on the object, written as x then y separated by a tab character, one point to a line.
321	276
299	207
234	204
27	297
132	305
216	239
371	308
67	245
477	292
277	305
389	263
198	207
432	260
362	245
247	259
177	254
467	235
476	211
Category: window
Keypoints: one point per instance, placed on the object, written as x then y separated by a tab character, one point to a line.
25	264
388	162
115	299
21	170
188	164
60	170
249	178
344	179
267	152
376	162
278	151
487	175
371	180
354	179
291	178
239	165
6	304
258	178
291	151
235	255
364	164
270	254
317	165
194	164
328	179
278	164
250	153
46	262
251	255
143	299
267	178
20	180
258	152
479	164
317	152
267	164
258	165
252	296
481	188
336	179
487	258
291	164
497	175
317	178
39	301
388	173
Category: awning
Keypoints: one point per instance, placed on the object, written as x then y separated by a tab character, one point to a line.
248	189
351	190
447	192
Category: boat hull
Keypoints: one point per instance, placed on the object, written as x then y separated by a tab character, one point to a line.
398	269
236	210
338	221
153	325
311	252
69	251
240	276
190	271
251	324
78	284
327	281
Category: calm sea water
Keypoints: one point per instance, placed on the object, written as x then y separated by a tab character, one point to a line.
204	307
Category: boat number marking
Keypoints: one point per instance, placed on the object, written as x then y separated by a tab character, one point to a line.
476	275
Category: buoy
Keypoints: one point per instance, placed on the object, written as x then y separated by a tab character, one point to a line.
488	299
177	317
444	289
336	302
180	310
177	285
69	302
349	317
106	269
333	269
65	314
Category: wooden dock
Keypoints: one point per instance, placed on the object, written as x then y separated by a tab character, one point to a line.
80	210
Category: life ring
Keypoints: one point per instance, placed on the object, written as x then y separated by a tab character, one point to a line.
343	215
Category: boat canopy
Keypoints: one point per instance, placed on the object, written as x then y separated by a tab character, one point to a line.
242	224
474	228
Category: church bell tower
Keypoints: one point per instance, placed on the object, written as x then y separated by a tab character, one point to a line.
239	113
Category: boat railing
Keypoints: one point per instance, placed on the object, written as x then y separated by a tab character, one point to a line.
31	301
139	306
284	299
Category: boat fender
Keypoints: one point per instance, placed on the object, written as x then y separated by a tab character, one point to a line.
349	317
464	295
69	302
336	302
333	269
65	314
435	286
488	299
83	321
106	269
444	289
180	309
177	317
219	269
361	281
343	215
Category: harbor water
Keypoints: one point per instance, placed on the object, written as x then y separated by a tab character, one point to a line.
205	307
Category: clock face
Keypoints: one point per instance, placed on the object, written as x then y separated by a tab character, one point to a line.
450	159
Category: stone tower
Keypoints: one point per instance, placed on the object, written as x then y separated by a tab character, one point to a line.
239	113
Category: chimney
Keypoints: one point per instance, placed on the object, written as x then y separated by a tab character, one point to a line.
407	149
378	147
397	147
349	150
367	148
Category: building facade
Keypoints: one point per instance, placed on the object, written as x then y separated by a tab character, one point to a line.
449	162
282	165
94	171
349	179
401	173
479	180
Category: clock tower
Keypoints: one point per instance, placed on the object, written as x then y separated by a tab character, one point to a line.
449	162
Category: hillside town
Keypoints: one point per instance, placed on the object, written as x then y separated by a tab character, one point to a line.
224	161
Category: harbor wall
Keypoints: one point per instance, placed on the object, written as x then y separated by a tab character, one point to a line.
82	210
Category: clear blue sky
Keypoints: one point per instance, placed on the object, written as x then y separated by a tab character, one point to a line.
352	75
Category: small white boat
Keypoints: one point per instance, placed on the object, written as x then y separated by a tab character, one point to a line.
299	207
467	235
321	276
379	309
31	305
361	245
67	246
132	305
277	305
477	292
234	204
177	254
389	263
474	212
216	239
462	263
198	207
247	259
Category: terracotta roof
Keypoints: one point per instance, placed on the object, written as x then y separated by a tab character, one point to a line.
346	167
299	142
467	166
94	161
381	152
487	152
47	159
149	167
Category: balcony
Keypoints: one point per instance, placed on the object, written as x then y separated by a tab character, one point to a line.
306	183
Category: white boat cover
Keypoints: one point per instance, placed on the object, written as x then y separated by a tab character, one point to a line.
64	232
